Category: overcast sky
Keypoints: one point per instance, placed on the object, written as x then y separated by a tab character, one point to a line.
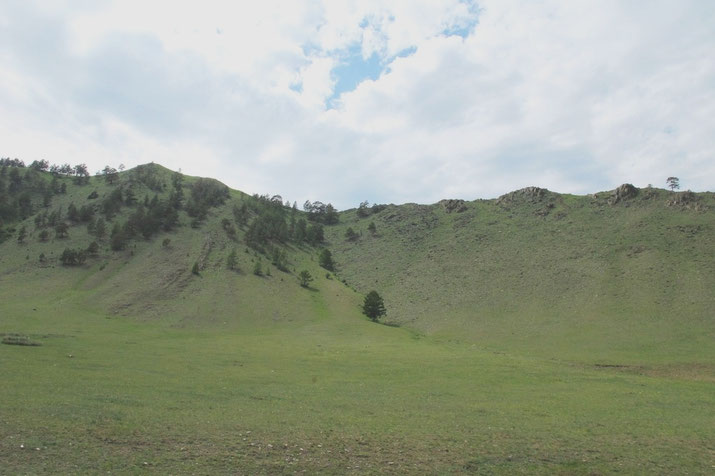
344	101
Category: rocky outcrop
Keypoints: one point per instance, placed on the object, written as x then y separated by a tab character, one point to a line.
453	205
528	194
623	193
687	199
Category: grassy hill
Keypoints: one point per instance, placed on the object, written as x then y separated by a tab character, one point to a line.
539	333
624	280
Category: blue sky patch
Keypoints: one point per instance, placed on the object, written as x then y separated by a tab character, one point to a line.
353	70
465	28
459	30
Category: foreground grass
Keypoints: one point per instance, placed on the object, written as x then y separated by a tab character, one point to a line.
333	394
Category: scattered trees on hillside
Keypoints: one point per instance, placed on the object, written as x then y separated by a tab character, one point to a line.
71	257
81	174
374	306
40	165
8	162
110	174
315	234
205	193
320	212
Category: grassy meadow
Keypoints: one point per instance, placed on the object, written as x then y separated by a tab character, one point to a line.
334	394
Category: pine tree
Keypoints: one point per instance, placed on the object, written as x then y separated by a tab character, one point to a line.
673	183
373	306
232	260
22	234
305	278
258	268
325	259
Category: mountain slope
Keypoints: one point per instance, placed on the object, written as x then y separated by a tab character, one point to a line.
148	273
618	275
621	276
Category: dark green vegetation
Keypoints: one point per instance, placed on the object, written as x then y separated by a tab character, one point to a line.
541	333
373	306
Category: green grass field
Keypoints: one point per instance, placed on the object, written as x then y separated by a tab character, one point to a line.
575	342
327	392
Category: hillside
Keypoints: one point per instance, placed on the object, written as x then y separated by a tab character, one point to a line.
156	225
626	274
617	276
536	333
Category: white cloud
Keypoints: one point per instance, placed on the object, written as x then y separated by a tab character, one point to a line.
574	96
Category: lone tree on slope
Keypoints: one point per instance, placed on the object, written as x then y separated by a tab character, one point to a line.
325	259
305	278
374	306
673	183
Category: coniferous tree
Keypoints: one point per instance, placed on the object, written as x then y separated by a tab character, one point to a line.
118	237
258	268
363	209
93	248
100	228
673	183
325	259
22	234
232	260
350	234
373	306
280	259
305	278
72	213
61	230
300	232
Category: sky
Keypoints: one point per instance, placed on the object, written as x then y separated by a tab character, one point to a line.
346	100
